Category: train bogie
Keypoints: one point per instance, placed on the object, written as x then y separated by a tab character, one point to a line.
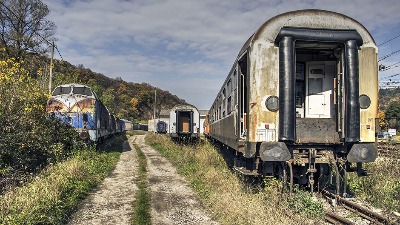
302	92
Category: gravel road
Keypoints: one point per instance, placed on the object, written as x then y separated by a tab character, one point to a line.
172	200
112	202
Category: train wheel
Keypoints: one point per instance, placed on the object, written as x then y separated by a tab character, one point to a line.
335	169
283	169
323	176
289	163
343	176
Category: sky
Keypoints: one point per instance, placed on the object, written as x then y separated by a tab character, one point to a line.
187	47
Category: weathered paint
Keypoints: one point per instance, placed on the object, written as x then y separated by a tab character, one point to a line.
368	72
72	108
264	74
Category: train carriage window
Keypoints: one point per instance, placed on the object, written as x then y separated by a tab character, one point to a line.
61	91
229	104
82	91
229	86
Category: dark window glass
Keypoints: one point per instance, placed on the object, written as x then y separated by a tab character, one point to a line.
61	91
82	91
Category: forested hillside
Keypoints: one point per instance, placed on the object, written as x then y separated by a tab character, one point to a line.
128	100
386	96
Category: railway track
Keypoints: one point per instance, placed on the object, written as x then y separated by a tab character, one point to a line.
361	211
388	150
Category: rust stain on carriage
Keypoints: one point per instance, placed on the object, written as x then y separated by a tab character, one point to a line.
86	105
55	106
264	76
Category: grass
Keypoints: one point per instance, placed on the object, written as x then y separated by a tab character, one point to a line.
58	190
382	187
224	193
142	203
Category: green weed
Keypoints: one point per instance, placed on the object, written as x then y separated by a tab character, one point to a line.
58	190
142	203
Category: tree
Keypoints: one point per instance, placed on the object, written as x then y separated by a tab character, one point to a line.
24	27
393	114
382	120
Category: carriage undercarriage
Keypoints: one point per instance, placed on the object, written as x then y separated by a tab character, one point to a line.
315	168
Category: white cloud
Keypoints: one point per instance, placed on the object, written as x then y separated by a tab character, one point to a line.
172	43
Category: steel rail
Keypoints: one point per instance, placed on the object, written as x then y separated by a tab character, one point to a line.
360	210
336	219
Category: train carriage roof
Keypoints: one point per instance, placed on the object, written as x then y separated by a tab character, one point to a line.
309	18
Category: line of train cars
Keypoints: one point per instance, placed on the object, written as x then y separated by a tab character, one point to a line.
301	100
79	106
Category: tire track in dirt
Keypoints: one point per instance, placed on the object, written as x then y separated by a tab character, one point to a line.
112	202
172	200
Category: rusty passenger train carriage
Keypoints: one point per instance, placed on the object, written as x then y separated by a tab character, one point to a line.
301	99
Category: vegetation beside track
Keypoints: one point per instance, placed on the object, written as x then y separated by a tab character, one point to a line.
226	195
142	206
58	190
382	186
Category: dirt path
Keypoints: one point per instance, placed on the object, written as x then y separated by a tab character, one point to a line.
172	201
112	202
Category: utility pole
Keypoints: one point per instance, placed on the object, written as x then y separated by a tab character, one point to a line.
51	66
155	103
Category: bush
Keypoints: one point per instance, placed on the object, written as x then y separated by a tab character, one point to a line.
29	140
382	186
57	191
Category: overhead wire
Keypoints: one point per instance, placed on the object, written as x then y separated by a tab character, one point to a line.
389	40
388	55
384	68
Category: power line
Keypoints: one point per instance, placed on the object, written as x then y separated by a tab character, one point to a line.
384	68
397	74
388	55
59	53
389	40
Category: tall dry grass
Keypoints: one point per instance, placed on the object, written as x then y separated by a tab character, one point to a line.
225	195
382	186
58	190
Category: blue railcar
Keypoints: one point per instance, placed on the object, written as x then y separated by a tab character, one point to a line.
161	127
80	107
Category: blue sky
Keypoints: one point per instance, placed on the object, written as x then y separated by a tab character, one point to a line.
188	46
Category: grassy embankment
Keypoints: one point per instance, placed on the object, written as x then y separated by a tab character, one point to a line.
382	187
142	206
226	196
58	190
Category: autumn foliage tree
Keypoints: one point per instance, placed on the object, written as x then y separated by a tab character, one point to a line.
393	114
24	28
29	139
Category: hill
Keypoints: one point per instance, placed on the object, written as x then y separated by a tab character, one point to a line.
128	100
386	96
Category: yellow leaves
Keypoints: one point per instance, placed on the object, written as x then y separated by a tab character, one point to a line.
134	103
19	90
382	119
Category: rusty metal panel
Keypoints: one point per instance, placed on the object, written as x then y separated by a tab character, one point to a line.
368	72
55	106
316	130
263	83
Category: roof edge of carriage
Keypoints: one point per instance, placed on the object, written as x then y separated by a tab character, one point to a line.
322	19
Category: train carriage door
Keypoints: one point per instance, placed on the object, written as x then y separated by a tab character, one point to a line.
319	89
243	96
